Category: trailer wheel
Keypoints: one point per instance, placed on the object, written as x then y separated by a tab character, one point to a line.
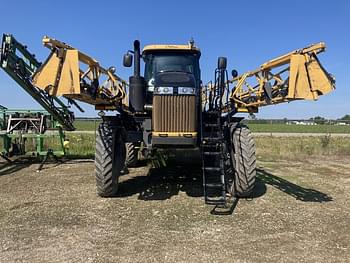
131	159
244	161
109	159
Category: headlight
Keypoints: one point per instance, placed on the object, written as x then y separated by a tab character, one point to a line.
151	85
186	91
164	90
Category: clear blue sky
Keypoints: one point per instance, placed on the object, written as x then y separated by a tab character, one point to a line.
247	32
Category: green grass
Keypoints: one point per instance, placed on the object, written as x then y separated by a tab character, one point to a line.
81	145
86	125
301	147
268	147
299	128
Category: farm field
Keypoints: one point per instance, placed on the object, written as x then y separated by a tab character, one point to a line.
86	125
82	145
159	214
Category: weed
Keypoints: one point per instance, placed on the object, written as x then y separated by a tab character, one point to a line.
325	141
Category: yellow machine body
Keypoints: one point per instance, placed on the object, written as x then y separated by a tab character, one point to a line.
174	116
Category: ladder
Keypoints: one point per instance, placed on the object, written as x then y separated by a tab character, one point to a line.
214	153
213	159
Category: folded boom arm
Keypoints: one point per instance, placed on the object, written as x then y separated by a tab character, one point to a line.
20	65
71	73
297	75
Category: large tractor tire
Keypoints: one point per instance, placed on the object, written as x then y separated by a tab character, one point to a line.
131	159
109	159
244	161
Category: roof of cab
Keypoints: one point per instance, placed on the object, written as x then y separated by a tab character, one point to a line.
189	47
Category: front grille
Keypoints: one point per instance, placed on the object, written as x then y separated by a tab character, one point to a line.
174	113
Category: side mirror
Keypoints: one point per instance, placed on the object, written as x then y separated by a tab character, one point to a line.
127	60
222	63
234	73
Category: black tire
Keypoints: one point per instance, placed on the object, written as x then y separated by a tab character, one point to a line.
109	159
244	161
131	159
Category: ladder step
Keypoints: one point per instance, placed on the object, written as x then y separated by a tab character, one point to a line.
215	201
205	145
212	169
214	185
211	153
213	139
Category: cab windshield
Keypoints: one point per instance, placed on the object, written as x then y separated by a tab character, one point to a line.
166	62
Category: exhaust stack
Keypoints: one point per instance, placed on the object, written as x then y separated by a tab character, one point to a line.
137	83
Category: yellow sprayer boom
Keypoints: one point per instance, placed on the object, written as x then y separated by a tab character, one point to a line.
61	75
297	75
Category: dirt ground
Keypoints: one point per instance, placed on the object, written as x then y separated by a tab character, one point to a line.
300	213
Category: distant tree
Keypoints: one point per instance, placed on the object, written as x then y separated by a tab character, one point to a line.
345	117
319	120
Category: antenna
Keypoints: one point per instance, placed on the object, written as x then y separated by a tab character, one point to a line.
191	43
